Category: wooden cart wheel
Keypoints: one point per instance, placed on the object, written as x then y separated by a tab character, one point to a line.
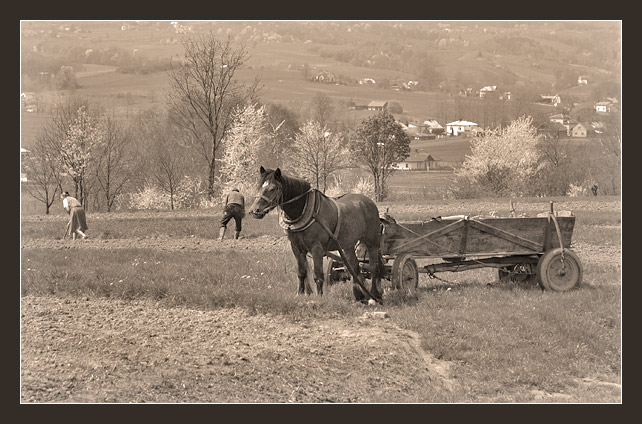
559	270
405	275
329	275
514	275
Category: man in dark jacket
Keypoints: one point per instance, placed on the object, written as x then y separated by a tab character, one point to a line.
234	208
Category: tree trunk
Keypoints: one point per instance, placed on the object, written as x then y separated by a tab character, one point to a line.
210	183
212	171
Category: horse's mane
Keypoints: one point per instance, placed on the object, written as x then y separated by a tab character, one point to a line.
292	187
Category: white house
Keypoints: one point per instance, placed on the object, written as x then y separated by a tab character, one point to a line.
486	90
582	80
459	127
604	107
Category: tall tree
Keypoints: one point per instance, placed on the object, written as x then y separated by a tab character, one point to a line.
378	144
321	108
79	150
113	162
246	142
203	93
317	153
75	134
284	124
164	160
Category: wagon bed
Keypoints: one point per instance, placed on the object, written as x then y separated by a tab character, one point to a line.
464	236
521	248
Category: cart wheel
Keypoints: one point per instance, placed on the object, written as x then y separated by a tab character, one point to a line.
512	273
559	270
329	274
405	275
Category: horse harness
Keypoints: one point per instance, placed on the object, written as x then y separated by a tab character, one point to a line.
310	213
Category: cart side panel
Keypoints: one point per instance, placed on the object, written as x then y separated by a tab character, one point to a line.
479	236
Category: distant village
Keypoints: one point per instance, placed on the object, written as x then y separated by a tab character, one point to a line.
557	125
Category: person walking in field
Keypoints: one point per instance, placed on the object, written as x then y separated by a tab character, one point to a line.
234	208
77	221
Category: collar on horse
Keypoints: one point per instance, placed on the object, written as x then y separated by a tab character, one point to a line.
309	214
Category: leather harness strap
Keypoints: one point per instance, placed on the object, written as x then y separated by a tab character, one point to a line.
309	214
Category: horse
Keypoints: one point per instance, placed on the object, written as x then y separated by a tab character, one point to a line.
318	224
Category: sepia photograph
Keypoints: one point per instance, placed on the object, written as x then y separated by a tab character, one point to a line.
320	212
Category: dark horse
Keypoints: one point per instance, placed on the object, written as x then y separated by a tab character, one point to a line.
304	214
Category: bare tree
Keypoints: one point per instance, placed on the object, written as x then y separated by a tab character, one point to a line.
113	163
74	135
317	153
321	108
43	175
164	161
203	93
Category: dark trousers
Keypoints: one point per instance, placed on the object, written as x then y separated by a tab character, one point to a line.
233	211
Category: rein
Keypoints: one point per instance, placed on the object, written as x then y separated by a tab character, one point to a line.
276	204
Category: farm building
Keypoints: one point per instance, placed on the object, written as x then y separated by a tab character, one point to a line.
428	131
551	129
488	91
460	127
325	76
417	162
433	126
560	118
606	106
554	99
578	130
378	105
415	132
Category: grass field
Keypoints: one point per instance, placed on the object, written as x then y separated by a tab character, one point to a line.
504	341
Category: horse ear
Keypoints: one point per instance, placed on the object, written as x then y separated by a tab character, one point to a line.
277	173
262	170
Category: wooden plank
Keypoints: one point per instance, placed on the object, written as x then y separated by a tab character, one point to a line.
440	239
441	231
506	235
464	238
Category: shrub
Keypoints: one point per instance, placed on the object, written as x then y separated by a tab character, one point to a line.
150	197
190	192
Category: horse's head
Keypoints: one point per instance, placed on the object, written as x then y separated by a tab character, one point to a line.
270	193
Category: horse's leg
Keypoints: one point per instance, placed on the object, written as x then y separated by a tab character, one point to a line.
354	263
376	266
317	258
302	266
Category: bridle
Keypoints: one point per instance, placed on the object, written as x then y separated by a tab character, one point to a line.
278	198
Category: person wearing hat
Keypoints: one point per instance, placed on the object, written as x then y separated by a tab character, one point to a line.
77	222
234	208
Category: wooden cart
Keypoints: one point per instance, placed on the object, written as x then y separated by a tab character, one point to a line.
521	248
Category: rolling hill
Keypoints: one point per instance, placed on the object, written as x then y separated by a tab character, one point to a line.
468	54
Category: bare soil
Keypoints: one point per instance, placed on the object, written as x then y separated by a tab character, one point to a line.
102	350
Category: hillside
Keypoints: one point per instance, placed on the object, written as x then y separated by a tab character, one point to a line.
525	58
